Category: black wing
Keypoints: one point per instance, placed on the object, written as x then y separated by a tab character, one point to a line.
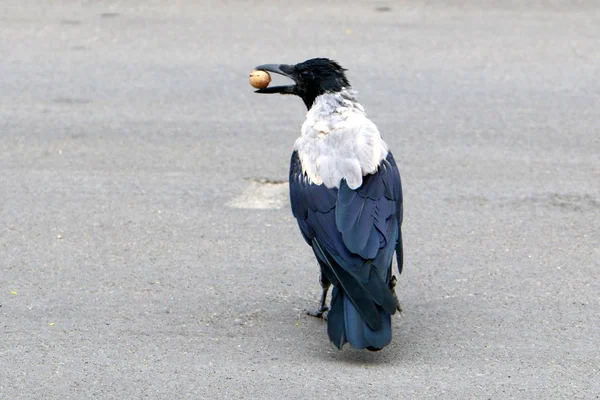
354	233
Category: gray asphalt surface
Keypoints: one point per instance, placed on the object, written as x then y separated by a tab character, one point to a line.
136	260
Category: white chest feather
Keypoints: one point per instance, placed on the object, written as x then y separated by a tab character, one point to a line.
339	142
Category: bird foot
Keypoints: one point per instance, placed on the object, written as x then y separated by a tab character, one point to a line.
393	289
398	306
319	313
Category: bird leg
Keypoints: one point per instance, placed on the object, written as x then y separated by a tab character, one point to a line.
325	284
393	289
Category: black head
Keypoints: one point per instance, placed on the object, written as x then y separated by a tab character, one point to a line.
313	78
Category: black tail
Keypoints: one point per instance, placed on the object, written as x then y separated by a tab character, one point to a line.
360	312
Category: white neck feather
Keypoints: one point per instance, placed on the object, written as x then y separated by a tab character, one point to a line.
338	141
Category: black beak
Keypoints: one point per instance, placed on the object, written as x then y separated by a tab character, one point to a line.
281	69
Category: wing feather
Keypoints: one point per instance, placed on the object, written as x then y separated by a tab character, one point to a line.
354	234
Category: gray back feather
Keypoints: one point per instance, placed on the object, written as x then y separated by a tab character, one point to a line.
338	141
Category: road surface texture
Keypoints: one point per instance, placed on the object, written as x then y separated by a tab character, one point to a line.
147	249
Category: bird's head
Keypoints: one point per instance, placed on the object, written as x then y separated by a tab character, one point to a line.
312	78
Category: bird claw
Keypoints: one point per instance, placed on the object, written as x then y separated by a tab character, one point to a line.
393	289
398	306
319	313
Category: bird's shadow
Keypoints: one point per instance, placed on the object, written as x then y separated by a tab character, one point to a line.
315	336
416	338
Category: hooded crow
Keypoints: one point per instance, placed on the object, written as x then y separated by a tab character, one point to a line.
346	194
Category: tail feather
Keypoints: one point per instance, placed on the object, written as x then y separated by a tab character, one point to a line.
354	325
360	312
345	324
379	339
335	319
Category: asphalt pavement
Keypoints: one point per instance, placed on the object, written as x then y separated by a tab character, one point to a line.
147	248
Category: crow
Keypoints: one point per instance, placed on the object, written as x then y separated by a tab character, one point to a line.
346	194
